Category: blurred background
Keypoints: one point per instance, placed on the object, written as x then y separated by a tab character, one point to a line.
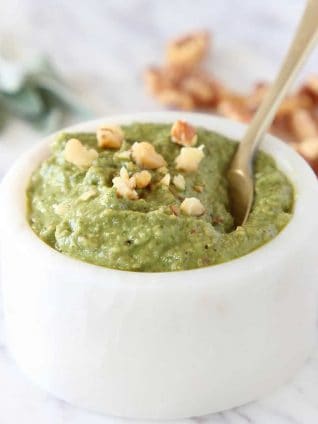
100	49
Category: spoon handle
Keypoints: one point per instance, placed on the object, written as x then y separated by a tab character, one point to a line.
304	41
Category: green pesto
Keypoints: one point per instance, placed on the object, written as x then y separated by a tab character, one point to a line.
144	234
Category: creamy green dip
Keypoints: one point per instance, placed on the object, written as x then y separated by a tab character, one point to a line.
146	234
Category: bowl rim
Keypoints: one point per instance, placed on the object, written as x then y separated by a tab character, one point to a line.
13	216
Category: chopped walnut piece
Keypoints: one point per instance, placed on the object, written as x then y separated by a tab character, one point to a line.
142	179
303	125
88	194
179	182
188	51
192	206
109	136
183	133
166	180
145	156
77	154
189	158
125	154
125	186
198	188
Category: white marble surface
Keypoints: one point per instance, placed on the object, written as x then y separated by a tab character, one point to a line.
101	48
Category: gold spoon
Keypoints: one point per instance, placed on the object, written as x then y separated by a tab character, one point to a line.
240	173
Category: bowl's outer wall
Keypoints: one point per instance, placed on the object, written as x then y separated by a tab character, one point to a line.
157	353
195	343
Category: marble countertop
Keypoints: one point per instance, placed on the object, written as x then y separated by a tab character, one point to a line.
101	48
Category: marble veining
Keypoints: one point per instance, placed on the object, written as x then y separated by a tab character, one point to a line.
101	49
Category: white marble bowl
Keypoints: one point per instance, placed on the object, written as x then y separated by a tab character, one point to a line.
161	345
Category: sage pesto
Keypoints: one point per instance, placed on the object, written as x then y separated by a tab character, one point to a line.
146	234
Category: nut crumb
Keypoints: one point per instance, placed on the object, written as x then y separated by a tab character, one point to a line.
179	182
145	156
125	154
166	180
183	133
77	154
109	136
192	206
87	195
198	188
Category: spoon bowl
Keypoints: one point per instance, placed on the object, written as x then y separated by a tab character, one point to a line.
241	187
